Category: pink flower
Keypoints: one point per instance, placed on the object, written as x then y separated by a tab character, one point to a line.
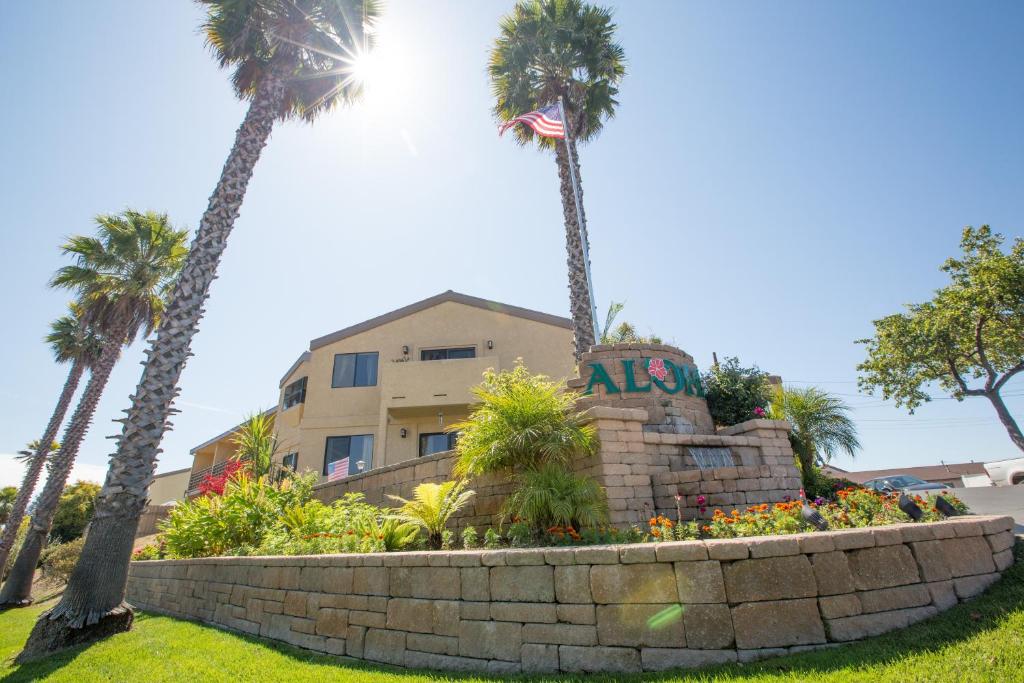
656	368
759	411
701	500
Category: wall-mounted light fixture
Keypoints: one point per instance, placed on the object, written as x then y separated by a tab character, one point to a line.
403	432
490	343
405	350
360	465
440	418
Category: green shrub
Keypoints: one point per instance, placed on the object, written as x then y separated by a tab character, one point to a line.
151	551
431	507
74	511
469	538
492	539
554	496
736	394
58	560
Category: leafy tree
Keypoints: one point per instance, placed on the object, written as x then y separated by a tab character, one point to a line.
968	339
256	443
72	341
625	332
74	511
291	60
735	393
821	426
550	49
431	507
8	495
522	421
122	276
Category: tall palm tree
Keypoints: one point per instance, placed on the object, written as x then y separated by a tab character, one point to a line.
256	442
122	276
291	59
72	341
561	48
821	425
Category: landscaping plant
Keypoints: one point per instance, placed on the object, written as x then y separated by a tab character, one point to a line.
431	507
821	426
74	511
551	496
291	60
59	559
736	394
561	48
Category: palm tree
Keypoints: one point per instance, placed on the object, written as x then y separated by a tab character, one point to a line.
821	425
431	507
122	276
561	48
256	443
291	59
71	341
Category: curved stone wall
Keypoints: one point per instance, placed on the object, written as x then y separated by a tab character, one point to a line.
597	608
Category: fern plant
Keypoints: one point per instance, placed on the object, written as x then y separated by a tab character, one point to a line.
553	496
431	507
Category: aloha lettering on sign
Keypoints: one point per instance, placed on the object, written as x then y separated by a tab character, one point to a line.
685	378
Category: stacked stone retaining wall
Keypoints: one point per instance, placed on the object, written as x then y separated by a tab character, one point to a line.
624	608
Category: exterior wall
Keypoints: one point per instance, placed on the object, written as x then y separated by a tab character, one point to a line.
169	486
609	609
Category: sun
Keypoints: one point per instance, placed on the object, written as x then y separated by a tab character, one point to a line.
365	68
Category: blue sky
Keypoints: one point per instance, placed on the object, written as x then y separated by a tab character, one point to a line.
778	176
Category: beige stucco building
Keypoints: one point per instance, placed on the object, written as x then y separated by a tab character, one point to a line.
385	390
169	487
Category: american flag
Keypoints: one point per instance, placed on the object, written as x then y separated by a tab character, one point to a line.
547	122
337	469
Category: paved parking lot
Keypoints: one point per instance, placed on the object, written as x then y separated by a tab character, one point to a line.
996	500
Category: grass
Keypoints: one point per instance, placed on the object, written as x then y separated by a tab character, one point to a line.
982	640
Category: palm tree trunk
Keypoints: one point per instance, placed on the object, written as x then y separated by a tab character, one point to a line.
35	465
579	294
92	606
17	591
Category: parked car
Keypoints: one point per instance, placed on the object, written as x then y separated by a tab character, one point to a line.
906	483
1006	472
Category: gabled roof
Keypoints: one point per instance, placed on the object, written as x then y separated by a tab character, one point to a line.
268	411
298	361
455	297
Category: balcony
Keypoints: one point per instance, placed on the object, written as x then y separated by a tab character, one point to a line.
431	382
277	472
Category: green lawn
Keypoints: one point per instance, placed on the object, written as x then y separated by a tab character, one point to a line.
979	641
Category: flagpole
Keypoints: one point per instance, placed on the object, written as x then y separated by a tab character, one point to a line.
579	221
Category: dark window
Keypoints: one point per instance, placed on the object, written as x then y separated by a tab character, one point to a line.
295	393
290	461
355	370
437	443
354	449
448	354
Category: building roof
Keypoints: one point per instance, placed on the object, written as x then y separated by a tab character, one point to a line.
927	472
430	302
229	432
298	361
171	472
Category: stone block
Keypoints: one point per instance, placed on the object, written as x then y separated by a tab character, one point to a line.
1003	559
490	640
380	645
661	659
900	597
370	581
681	551
576	614
572	584
573	659
295	604
728	549
354	641
425	642
832	573
772	578
523	584
777	624
649	625
1004	540
700	581
865	625
475	611
968	556
475	583
332	622
634	583
707	627
931	558
747	656
835	606
537	612
536	658
943	594
637	554
968	587
370	619
774	547
441	583
440	617
883	567
852	539
560	634
415	659
518	558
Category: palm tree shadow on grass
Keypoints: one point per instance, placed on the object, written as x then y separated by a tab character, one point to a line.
960	623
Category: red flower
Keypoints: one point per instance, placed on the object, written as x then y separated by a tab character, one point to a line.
656	368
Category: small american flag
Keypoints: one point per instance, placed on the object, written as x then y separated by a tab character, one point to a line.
337	469
547	122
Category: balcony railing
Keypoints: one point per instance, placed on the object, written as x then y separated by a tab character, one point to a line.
276	474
